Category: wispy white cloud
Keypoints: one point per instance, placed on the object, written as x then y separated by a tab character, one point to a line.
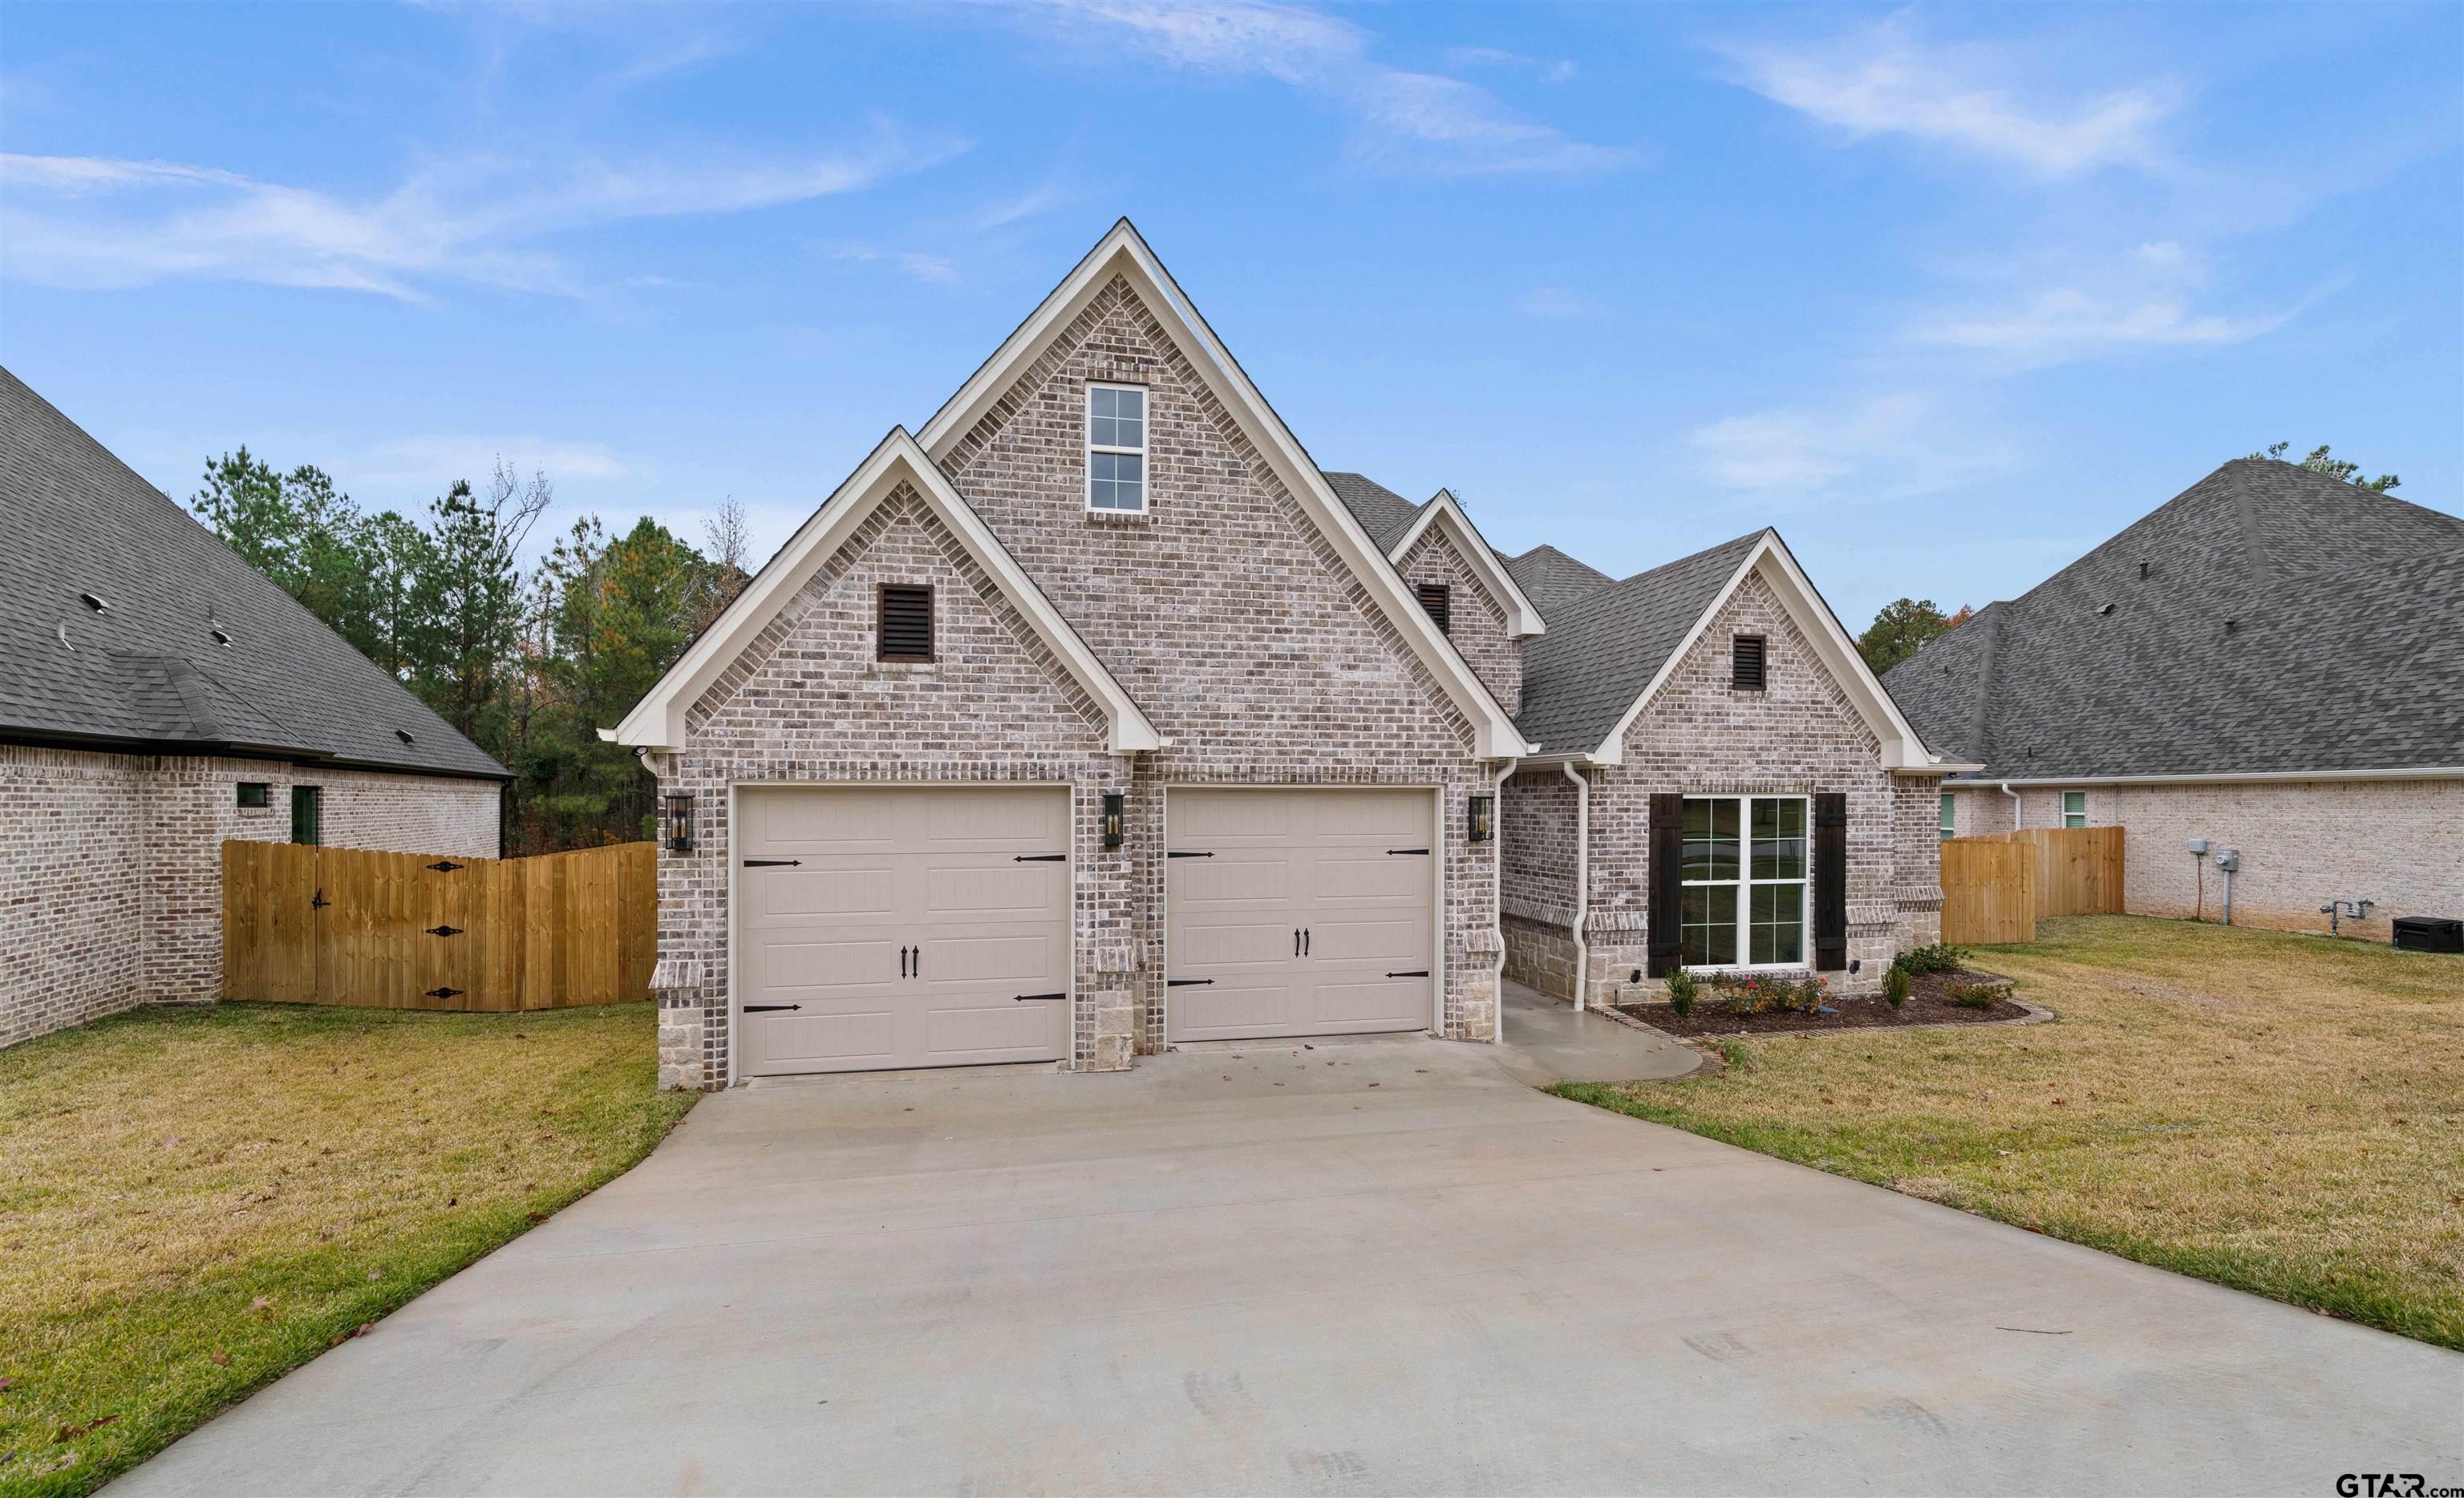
1020	206
1555	302
105	222
1403	119
1887	78
1547	71
2065	322
431	462
916	264
1889	446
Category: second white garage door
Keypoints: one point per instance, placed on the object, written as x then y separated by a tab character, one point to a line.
911	927
1299	913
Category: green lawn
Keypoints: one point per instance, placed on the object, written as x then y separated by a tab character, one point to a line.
2281	1114
194	1202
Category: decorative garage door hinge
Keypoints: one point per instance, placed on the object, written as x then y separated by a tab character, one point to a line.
769	1009
445	931
1395	851
443	992
1418	972
1185	982
1189	855
774	863
445	866
1029	998
1041	858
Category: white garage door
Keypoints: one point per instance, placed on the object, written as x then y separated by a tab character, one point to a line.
881	928
1299	913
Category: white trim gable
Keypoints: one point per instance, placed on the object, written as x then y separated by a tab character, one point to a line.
1121	252
1770	560
658	719
1446	512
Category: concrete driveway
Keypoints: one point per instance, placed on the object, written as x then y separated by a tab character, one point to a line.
1379	1267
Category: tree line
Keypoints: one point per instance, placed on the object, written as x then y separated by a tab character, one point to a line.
529	663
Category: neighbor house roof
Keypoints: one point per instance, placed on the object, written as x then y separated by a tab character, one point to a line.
2267	620
146	671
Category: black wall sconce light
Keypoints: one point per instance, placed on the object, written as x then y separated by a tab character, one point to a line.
1483	818
1114	819
676	819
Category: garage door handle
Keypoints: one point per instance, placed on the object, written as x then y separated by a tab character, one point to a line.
1032	998
1186	982
773	863
1393	852
1419	972
1305	940
769	1009
919	961
1296	942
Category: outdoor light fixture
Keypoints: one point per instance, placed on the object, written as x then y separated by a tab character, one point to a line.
1481	818
678	817
1112	818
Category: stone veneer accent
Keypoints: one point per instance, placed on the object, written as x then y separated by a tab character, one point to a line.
111	866
1223	611
2398	843
1701	737
1477	621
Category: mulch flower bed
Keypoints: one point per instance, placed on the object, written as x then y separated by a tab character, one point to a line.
1929	1002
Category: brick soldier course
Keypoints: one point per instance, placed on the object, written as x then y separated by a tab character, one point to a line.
1258	618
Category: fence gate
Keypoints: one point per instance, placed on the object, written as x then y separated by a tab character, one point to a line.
423	930
1989	892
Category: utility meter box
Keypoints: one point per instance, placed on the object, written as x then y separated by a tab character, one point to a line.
2228	859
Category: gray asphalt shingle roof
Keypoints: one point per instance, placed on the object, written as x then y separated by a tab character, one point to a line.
1381	512
146	671
1552	580
1603	648
2285	622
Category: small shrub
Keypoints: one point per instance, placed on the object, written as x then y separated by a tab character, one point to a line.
1936	959
1971	995
1681	989
1758	993
1895	985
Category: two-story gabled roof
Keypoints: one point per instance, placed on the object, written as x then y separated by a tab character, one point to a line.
127	626
2267	621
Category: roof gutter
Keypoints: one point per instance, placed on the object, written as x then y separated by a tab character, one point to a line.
202	749
2443	772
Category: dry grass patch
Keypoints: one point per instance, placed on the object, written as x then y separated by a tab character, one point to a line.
195	1200
2281	1114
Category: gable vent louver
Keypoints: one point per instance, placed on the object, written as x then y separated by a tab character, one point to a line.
1747	661
1438	600
905	622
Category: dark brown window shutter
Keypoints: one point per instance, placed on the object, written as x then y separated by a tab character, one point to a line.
1746	652
1439	600
1668	858
905	633
1830	882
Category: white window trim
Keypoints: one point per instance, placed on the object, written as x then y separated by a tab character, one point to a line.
2067	813
1745	883
1146	464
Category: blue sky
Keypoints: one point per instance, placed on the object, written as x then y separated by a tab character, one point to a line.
1946	294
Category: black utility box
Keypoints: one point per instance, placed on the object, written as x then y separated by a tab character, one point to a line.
2429	933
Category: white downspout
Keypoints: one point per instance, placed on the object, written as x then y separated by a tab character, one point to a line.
1497	889
2017	805
1582	877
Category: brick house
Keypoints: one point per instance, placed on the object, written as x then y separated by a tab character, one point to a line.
158	695
2268	663
1092	718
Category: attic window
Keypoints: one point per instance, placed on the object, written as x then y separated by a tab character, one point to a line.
1437	599
905	622
1746	663
93	603
1117	448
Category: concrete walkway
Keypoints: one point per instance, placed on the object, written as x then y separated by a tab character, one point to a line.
1547	1041
1382	1266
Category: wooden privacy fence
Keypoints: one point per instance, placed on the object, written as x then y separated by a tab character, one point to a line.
1989	892
417	931
2067	872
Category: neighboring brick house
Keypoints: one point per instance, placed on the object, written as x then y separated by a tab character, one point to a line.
1093	718
159	695
2269	663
